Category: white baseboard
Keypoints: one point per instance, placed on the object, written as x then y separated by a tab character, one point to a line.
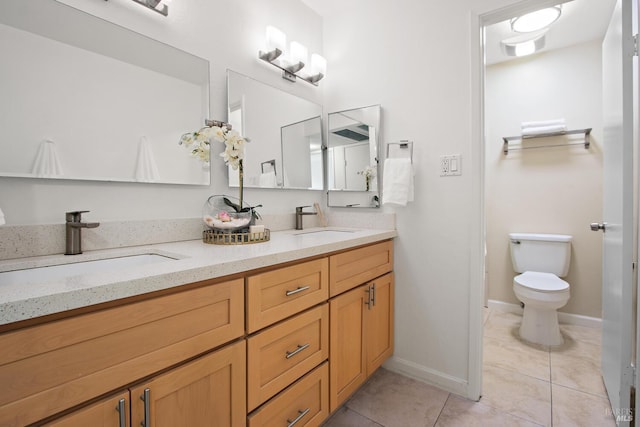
427	375
568	318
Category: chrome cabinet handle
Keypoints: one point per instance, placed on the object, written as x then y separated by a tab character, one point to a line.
368	301
121	409
145	398
596	226
295	291
373	294
298	418
290	354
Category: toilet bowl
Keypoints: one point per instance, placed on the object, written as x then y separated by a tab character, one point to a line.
542	294
542	259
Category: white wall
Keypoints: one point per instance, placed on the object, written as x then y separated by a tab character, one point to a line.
546	190
229	35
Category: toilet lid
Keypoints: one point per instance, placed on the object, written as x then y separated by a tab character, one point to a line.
541	282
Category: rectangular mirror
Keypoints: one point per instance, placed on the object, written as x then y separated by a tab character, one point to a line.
91	100
352	157
285	132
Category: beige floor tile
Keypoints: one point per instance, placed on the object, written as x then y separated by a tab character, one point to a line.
574	408
582	333
518	356
517	394
345	417
576	347
393	400
459	412
502	324
578	373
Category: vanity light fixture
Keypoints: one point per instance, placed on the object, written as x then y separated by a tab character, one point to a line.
293	64
537	20
524	45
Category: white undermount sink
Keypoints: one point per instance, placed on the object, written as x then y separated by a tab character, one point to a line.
53	272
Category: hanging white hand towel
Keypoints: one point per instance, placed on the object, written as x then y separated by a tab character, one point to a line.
268	179
146	168
397	181
2	221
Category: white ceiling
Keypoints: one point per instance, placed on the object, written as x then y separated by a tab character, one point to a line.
581	21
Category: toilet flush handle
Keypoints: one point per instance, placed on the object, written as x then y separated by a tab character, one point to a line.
597	226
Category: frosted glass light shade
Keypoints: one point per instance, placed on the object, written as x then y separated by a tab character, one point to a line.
318	65
276	39
537	20
298	53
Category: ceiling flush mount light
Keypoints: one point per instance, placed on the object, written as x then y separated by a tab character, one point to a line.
294	63
524	45
537	20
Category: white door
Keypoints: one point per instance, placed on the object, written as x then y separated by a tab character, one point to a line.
618	237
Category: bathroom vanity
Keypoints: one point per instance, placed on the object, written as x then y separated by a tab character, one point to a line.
279	333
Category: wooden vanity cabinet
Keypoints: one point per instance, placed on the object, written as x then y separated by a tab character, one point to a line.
52	367
112	411
361	332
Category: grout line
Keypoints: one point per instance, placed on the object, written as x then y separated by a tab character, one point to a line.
551	385
441	409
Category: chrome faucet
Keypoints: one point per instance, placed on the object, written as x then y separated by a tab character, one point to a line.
73	230
299	215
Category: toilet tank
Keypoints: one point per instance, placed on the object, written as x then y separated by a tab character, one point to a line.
546	253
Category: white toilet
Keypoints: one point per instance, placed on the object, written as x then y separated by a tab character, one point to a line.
542	259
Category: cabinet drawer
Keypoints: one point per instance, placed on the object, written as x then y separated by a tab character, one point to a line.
307	401
278	294
283	353
353	268
48	368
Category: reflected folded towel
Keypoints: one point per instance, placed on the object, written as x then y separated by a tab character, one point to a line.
397	181
47	163
2	221
543	123
146	168
268	179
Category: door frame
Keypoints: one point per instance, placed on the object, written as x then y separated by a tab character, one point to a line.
480	19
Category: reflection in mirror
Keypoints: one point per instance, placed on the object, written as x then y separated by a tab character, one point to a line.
92	100
352	157
285	132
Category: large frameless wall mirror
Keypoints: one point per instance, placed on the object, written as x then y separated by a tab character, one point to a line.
285	132
352	157
91	100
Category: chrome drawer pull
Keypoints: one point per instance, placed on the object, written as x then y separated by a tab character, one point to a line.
298	418
290	354
147	416
295	291
121	409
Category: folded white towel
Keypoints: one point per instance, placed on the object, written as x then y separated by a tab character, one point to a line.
2	221
146	168
268	179
397	181
543	123
47	163
539	130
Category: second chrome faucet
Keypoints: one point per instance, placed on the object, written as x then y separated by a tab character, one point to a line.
300	213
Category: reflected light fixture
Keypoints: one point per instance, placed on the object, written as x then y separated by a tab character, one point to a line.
159	6
523	45
293	63
537	20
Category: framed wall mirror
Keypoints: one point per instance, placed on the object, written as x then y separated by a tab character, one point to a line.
352	157
91	100
285	132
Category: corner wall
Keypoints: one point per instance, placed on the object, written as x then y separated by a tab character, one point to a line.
546	190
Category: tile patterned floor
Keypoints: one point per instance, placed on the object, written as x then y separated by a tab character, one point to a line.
523	385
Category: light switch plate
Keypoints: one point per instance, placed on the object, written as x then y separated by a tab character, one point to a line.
451	165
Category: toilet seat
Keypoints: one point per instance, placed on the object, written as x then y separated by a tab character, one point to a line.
541	282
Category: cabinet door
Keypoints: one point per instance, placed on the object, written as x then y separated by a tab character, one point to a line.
210	391
379	322
346	349
110	412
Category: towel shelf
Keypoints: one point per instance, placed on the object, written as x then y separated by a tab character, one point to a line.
586	143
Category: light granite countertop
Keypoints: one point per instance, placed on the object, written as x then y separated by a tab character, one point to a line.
193	261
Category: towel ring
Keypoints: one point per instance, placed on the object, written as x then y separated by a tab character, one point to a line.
404	145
